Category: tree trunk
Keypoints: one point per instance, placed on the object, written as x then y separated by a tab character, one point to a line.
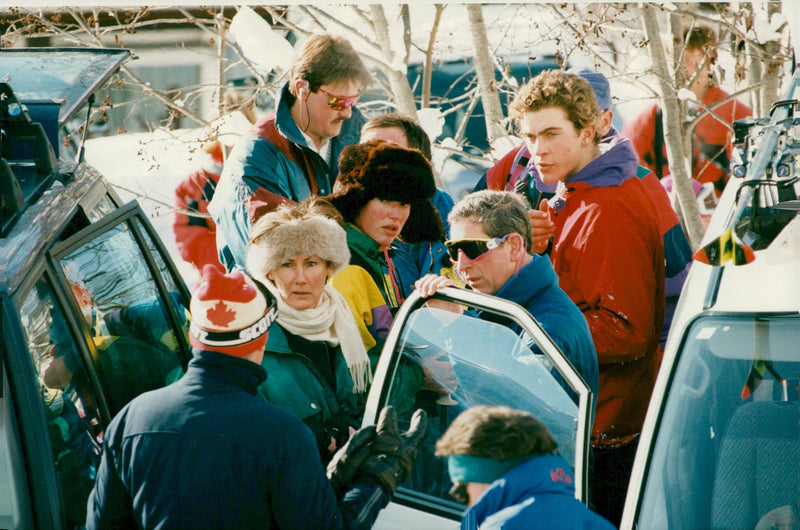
679	157
484	68
404	98
772	67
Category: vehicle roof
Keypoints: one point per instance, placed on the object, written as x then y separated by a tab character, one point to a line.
65	75
38	226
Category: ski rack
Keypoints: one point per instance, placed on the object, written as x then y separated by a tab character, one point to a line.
764	155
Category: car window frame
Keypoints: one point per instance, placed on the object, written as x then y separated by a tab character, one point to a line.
132	215
36	502
390	357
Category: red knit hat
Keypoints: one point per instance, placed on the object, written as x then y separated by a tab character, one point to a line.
230	314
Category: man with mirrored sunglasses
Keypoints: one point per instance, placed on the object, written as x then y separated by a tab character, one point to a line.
490	241
292	152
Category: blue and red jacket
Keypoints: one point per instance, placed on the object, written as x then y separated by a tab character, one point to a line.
537	494
609	257
270	165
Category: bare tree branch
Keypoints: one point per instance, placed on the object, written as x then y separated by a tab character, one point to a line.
428	71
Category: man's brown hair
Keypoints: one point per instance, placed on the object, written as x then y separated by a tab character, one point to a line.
324	59
498	432
699	38
415	135
556	88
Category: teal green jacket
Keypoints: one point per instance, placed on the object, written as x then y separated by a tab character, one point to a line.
294	383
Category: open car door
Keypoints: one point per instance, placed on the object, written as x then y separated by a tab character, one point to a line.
495	353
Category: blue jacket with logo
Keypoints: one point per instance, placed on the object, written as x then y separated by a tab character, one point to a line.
206	452
539	493
258	172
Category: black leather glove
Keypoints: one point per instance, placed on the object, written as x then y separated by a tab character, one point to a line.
347	460
393	453
338	428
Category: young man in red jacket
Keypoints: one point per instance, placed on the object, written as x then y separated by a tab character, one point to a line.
609	257
712	137
516	171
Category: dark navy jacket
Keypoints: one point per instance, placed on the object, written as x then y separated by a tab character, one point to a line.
539	493
205	452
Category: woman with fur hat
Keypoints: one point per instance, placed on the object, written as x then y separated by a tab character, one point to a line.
383	192
315	359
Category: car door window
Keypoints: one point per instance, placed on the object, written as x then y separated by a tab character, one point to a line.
134	346
445	362
67	398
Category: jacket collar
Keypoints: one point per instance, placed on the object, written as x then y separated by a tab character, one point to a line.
362	244
615	165
277	341
213	368
529	281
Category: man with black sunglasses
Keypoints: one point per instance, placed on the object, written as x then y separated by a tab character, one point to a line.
292	153
490	242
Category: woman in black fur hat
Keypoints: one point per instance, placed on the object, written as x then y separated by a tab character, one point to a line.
383	192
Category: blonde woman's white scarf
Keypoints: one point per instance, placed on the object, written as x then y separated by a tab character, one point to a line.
332	322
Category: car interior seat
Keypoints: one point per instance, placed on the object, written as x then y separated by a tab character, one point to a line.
758	467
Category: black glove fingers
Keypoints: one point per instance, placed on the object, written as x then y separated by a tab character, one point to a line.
387	421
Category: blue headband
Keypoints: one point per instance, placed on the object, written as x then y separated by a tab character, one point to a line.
481	469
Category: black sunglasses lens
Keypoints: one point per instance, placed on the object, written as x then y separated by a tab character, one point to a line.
472	249
459	492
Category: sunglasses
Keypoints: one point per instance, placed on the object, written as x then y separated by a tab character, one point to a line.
459	492
339	102
473	248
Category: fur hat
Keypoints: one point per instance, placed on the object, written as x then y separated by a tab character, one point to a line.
275	238
381	170
230	314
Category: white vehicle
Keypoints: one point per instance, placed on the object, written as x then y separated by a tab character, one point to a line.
446	362
719	447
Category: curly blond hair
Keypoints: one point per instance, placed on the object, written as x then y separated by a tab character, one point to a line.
556	88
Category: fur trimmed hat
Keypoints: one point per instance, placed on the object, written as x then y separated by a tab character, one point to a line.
381	170
230	314
277	237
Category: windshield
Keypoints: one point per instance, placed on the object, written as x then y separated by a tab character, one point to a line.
66	75
726	449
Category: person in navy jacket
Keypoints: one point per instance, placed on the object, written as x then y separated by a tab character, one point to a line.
490	248
206	452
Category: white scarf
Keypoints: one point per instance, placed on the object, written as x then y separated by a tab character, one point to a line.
332	322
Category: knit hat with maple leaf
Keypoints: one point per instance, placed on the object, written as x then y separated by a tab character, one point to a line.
230	314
